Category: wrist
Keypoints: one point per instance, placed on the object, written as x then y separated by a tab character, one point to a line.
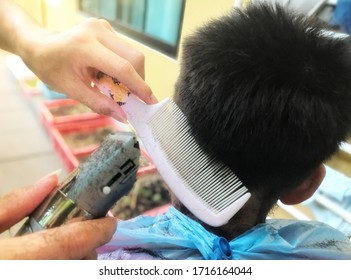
28	44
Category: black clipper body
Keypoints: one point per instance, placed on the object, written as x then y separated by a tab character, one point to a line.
90	190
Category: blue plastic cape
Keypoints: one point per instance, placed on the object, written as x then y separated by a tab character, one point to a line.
175	236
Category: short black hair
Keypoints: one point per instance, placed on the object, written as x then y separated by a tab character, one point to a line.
268	92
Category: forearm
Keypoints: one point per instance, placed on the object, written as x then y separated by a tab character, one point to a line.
68	61
17	29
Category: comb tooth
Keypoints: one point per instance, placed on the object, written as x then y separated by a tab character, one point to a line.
223	201
213	179
196	168
224	192
182	148
236	192
208	165
197	162
187	149
240	192
220	199
225	175
207	187
231	185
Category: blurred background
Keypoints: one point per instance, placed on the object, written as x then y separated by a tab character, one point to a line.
42	131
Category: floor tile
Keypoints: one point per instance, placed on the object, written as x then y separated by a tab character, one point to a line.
23	143
20	173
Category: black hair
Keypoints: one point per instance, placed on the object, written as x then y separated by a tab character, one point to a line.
268	92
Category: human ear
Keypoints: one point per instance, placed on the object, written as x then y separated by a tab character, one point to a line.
306	189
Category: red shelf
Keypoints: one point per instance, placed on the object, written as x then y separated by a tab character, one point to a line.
67	142
70	139
146	165
49	119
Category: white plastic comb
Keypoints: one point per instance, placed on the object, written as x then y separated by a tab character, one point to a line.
208	188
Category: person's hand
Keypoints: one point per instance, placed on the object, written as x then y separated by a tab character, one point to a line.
77	240
69	61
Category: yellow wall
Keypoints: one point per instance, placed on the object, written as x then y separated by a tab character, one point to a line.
60	14
161	70
33	7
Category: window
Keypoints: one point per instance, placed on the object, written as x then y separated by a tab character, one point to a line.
156	23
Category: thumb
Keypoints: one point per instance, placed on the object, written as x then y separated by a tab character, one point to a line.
70	241
18	204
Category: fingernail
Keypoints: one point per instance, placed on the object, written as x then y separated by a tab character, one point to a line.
119	116
153	99
56	172
47	177
110	214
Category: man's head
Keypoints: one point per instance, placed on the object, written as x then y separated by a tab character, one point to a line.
267	92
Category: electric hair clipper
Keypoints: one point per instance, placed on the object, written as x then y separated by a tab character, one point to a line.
90	190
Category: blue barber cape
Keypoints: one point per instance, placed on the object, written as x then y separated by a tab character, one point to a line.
175	236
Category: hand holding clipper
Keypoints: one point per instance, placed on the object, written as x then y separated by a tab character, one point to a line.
93	188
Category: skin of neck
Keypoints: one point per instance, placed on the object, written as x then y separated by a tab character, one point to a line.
252	213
